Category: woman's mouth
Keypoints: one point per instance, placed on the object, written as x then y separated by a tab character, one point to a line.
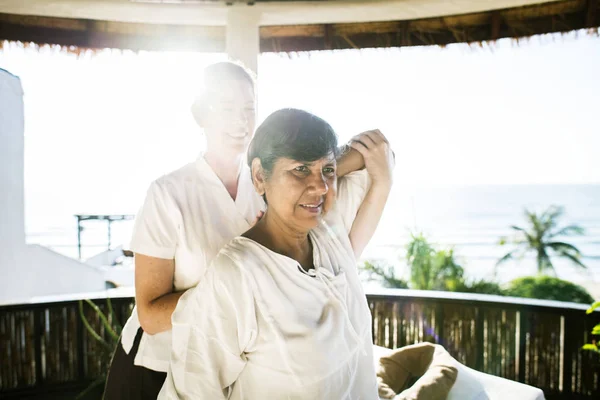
238	135
313	208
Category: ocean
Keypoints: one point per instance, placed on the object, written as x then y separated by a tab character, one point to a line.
469	218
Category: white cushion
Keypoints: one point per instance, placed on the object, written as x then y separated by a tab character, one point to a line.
474	385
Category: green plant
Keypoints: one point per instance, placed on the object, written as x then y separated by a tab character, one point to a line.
432	269
548	288
107	341
482	287
385	273
541	237
595	331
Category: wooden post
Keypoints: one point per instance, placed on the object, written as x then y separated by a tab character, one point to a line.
480	337
79	236
81	353
38	331
571	332
523	329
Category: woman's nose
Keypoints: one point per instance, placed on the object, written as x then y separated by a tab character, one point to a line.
319	184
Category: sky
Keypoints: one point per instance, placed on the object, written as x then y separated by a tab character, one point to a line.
100	128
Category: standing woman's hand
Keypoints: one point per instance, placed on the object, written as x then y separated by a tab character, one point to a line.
377	154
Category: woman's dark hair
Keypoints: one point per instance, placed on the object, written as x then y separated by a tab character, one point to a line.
294	134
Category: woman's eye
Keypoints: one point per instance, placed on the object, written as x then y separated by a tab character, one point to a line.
301	168
328	170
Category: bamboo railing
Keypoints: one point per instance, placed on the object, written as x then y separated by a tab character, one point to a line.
44	347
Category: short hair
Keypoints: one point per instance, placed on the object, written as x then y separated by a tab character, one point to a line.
227	70
292	133
216	74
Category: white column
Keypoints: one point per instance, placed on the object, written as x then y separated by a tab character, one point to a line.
12	196
242	35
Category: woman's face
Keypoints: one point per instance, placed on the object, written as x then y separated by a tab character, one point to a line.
230	116
301	193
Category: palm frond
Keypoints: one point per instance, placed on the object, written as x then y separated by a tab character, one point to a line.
571	230
562	246
551	216
508	256
518	228
573	258
528	237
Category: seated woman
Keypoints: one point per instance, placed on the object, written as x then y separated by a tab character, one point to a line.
281	313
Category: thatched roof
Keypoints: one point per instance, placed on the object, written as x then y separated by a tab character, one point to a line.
490	24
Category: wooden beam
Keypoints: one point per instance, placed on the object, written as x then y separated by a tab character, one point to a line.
590	17
496	22
328	37
542	18
103	34
267	32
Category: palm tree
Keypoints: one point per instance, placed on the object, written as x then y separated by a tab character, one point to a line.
542	237
432	269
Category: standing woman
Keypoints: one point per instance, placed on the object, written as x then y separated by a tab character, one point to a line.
187	217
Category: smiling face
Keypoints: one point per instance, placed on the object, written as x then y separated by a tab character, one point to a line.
229	116
298	193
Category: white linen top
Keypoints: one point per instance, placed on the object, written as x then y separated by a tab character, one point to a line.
188	216
258	327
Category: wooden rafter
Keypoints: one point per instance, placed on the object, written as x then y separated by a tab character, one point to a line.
556	16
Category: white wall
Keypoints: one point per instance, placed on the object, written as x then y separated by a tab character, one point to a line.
28	271
12	202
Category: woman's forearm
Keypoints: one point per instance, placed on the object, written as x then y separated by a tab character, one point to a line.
368	216
155	316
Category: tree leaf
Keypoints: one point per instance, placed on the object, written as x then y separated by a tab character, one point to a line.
593	307
591	347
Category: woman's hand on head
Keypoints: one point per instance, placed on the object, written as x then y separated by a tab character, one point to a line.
378	156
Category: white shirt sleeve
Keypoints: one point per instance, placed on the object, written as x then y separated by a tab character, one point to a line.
352	189
155	230
213	325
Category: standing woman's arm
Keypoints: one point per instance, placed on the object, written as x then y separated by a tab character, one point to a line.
154	295
154	241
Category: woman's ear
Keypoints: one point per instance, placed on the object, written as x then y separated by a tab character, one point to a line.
258	176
